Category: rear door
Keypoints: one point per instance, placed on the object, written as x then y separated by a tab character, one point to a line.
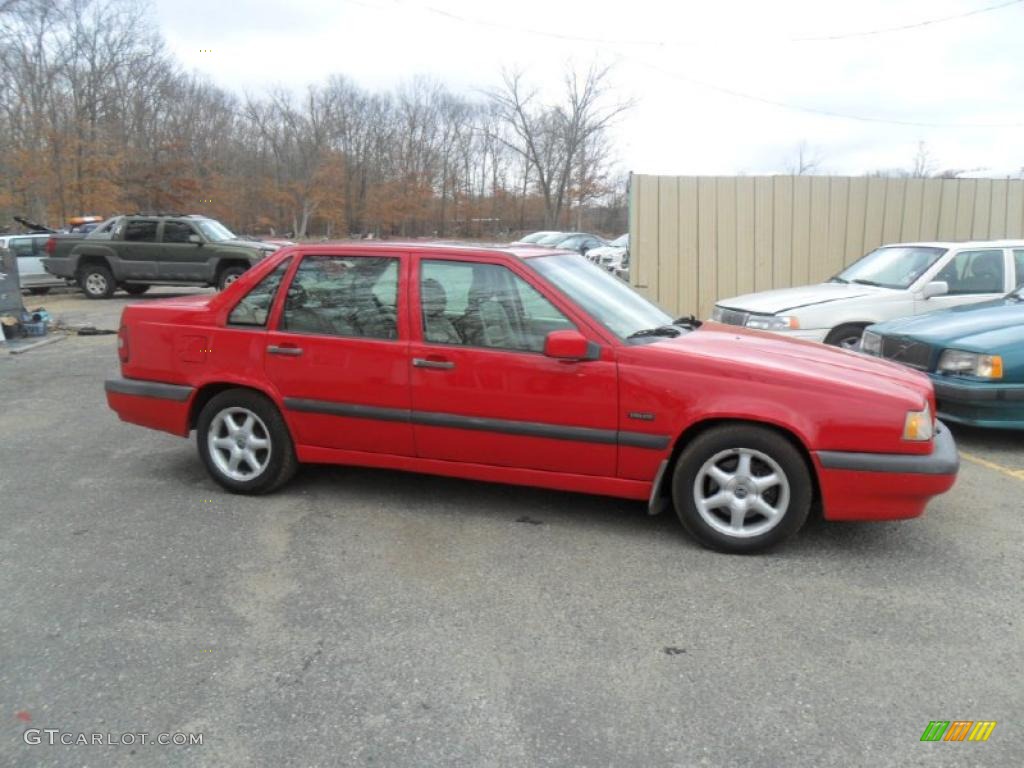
338	353
482	389
140	250
181	259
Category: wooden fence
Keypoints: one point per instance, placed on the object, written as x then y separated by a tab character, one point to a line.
697	239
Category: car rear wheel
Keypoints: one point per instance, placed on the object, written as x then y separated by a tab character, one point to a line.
228	276
244	442
741	488
135	289
96	281
846	336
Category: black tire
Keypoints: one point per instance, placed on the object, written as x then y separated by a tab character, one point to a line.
135	289
846	336
38	291
228	276
96	281
279	462
757	442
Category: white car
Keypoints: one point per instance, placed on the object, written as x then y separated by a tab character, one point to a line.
610	256
29	250
891	281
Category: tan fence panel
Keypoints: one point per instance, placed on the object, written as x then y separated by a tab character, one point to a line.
699	239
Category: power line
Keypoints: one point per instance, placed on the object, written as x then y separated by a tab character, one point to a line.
725	89
555	35
815	110
906	27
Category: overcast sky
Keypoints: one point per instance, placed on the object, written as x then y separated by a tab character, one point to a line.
700	72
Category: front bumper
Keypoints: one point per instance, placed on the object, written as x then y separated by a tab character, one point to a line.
886	486
979	403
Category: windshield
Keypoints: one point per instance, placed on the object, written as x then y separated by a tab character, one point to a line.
215	231
891	267
621	242
605	298
534	237
552	239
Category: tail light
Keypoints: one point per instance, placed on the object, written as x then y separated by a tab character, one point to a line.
51	245
122	343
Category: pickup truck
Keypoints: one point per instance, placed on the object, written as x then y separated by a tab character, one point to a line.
135	252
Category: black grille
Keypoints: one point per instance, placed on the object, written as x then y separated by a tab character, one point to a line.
915	354
733	316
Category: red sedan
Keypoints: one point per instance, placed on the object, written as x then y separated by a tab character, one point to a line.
529	367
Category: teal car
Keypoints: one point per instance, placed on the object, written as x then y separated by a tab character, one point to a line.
973	354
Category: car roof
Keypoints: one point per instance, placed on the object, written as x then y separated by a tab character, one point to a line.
960	244
466	249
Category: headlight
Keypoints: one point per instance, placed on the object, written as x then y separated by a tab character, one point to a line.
716	314
919	425
871	343
772	323
971	364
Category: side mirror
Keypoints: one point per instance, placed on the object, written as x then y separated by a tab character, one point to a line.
193	238
935	288
570	346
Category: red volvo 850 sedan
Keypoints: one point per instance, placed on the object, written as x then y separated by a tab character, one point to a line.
532	367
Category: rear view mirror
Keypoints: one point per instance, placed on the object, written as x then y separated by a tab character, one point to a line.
570	345
935	288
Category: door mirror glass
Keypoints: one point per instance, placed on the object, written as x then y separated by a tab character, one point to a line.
935	288
194	238
569	345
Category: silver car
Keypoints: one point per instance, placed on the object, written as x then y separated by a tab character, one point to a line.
29	249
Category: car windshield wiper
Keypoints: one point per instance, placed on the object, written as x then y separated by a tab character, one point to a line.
689	323
868	282
838	279
661	330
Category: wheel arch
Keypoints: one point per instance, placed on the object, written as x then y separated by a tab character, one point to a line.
206	392
696	429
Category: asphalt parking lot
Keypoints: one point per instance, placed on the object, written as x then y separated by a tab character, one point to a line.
365	617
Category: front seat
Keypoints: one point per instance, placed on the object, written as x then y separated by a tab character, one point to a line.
437	328
298	317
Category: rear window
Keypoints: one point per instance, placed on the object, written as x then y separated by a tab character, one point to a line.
1018	260
254	308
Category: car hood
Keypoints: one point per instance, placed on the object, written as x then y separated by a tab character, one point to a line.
254	244
768	355
984	325
611	250
787	299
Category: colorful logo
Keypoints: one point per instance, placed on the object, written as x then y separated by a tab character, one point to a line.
958	730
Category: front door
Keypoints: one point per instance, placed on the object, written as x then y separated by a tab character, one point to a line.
973	276
482	389
339	354
181	259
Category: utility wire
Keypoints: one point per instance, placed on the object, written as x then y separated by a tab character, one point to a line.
480	22
725	89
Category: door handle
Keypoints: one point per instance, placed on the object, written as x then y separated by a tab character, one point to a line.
286	351
422	362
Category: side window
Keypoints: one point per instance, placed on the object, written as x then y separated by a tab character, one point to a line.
974	272
344	296
1018	260
177	231
140	231
22	246
255	306
484	305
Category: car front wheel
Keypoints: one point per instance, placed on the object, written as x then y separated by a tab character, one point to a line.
741	488
96	281
846	336
228	276
244	442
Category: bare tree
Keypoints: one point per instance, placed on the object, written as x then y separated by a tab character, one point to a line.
552	137
806	160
